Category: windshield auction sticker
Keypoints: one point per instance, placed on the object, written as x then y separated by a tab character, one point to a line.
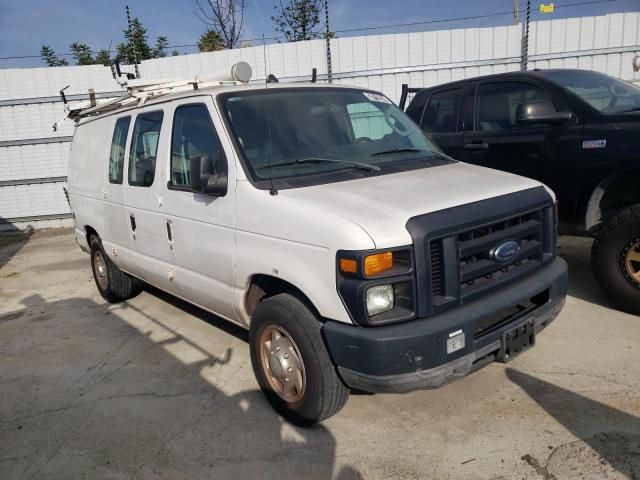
376	97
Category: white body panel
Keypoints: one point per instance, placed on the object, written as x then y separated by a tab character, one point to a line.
220	243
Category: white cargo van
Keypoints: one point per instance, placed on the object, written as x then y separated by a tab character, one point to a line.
321	219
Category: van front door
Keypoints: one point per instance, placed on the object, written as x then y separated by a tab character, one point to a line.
143	197
199	227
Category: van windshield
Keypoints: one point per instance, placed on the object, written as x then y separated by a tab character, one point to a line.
606	94
285	133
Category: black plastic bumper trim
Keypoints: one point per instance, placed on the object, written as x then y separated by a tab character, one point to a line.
419	346
443	374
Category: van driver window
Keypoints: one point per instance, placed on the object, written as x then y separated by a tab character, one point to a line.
193	136
144	146
116	155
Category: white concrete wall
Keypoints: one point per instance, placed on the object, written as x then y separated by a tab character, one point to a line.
381	62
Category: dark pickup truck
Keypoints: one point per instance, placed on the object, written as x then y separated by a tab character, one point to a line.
577	131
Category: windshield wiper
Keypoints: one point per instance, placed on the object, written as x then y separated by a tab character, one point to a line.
364	166
399	150
432	153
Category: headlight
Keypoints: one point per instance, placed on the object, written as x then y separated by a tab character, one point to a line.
380	299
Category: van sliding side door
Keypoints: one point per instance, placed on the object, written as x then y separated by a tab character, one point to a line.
144	200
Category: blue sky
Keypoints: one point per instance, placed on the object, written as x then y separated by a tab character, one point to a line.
25	25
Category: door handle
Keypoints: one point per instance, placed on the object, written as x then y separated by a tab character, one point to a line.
132	221
170	235
476	146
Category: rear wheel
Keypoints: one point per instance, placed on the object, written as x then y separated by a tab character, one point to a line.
113	284
615	258
291	363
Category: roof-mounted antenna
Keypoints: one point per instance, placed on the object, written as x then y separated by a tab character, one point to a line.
314	75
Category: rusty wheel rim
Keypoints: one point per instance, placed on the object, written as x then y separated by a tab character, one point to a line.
100	268
631	255
282	363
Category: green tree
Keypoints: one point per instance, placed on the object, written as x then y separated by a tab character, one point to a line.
82	53
50	58
175	53
210	41
298	19
103	57
160	50
136	45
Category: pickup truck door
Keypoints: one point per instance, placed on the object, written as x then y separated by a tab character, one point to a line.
200	229
441	120
498	141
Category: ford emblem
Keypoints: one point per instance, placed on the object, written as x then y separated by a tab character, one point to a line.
506	251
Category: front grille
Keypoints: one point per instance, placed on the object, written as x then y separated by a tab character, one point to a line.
478	270
464	257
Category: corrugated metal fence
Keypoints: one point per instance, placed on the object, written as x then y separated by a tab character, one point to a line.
33	158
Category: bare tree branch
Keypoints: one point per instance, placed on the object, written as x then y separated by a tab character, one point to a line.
225	17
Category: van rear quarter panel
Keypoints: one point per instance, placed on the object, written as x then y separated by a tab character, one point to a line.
87	174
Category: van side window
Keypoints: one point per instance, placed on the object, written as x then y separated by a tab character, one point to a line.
116	155
441	113
144	146
193	136
497	103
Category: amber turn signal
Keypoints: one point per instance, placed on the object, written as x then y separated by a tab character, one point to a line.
377	263
348	266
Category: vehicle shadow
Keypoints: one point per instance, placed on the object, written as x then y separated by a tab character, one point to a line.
611	433
114	391
11	241
582	284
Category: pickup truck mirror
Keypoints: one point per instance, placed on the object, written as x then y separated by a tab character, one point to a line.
540	111
203	180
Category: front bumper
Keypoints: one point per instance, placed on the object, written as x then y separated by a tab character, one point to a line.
412	355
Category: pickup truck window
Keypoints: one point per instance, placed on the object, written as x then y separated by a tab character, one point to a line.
497	103
302	132
604	93
144	146
193	135
441	113
118	144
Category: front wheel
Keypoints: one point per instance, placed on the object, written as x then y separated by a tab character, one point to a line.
291	363
615	257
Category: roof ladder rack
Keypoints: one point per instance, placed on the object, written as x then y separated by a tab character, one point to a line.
139	91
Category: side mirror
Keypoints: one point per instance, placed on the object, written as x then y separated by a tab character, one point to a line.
202	180
540	111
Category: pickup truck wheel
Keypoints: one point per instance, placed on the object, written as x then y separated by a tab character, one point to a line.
615	258
291	363
113	284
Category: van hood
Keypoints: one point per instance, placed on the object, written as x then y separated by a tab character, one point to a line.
382	205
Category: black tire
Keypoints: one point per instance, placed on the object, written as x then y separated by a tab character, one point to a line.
114	285
324	393
608	259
